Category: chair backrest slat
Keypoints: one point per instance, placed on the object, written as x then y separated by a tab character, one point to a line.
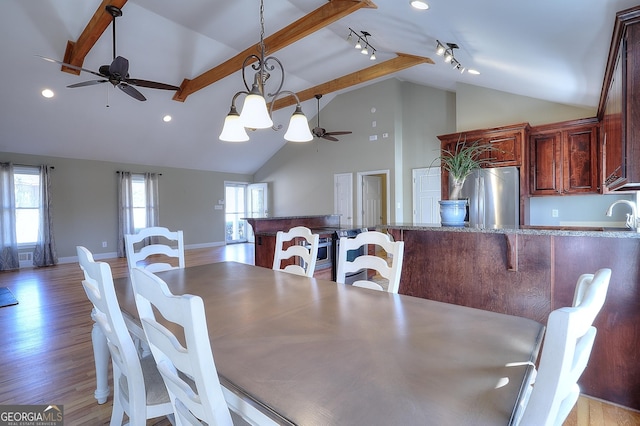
307	255
155	240
392	272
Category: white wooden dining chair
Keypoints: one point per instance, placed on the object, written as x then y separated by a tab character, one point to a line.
155	241
391	272
567	346
187	366
138	389
307	254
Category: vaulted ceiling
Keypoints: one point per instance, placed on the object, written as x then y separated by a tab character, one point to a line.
554	51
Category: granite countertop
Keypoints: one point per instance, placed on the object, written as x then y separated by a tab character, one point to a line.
524	230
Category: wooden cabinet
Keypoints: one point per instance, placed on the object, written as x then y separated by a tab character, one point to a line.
563	158
509	142
619	106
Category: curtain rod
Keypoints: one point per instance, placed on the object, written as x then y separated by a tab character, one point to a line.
119	171
30	165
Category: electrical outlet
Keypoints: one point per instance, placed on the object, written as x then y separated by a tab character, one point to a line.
554	213
104	244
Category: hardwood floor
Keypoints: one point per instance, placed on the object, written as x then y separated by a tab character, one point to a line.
47	357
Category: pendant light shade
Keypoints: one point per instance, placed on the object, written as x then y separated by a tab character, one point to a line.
298	130
233	130
255	114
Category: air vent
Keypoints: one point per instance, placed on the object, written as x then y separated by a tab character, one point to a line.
26	259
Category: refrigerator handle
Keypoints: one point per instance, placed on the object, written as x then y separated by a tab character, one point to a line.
481	201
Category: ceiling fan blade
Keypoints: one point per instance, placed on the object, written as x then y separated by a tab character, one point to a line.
338	133
150	84
71	66
330	138
131	91
87	83
119	68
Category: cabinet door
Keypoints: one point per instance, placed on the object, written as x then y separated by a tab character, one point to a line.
546	167
612	138
579	161
506	150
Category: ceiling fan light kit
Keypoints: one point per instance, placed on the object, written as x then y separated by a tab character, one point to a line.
255	114
362	43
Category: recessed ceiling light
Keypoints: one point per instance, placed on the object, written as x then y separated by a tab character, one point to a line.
419	4
166	118
474	72
47	93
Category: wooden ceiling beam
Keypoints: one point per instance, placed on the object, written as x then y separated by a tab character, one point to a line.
308	24
399	63
76	51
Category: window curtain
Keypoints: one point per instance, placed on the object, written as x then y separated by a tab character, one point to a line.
8	241
44	253
151	194
125	210
151	204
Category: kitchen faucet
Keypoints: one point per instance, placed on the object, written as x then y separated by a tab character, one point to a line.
632	218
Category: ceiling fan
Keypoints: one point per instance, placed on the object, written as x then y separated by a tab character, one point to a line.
322	133
117	73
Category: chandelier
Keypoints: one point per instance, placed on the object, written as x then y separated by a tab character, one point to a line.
254	114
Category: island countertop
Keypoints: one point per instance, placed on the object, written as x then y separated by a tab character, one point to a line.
567	231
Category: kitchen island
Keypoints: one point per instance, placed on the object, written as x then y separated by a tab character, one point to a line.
530	272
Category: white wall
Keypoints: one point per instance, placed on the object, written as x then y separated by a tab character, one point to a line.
85	202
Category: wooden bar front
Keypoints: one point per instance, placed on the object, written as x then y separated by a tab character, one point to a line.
473	269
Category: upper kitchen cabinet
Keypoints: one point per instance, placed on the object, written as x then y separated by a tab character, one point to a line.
619	107
563	158
508	142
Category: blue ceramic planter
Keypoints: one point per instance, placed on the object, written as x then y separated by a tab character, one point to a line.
453	212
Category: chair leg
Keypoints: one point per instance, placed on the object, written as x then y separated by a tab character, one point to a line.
117	414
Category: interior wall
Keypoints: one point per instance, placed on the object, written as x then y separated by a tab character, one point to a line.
85	202
479	108
301	174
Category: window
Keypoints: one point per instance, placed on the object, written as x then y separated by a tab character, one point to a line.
26	181
139	202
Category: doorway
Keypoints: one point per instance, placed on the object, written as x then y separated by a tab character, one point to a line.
235	208
373	204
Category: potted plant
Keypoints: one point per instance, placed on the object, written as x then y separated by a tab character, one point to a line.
460	163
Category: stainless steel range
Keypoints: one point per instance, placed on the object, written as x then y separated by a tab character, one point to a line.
351	254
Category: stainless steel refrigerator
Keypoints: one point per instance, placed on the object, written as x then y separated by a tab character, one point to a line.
493	197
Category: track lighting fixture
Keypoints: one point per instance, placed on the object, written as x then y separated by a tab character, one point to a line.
254	114
446	51
362	43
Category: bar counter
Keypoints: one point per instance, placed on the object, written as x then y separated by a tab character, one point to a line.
529	272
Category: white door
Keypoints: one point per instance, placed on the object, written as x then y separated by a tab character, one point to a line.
426	194
343	198
371	200
258	200
257	204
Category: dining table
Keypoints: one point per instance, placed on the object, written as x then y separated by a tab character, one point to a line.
305	351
